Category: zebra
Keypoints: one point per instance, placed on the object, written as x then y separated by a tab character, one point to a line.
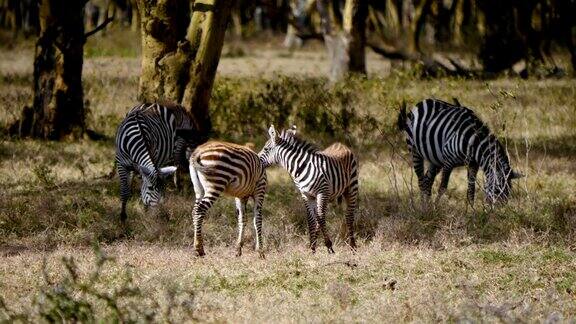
449	136
150	137
236	170
322	176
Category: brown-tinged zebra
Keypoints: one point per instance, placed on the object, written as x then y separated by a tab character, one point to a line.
449	136
150	137
321	176
224	168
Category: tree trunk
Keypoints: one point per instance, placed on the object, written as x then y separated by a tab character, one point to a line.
355	14
345	44
135	22
181	48
502	46
58	109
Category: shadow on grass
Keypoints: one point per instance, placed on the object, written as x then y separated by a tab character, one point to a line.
83	211
561	146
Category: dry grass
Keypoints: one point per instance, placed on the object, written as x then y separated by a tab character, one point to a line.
451	263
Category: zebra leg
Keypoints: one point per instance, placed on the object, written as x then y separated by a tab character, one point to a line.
240	213
351	196
322	206
258	202
429	179
418	163
200	209
312	221
124	175
444	182
472	172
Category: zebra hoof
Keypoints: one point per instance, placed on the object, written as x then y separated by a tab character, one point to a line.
330	250
200	253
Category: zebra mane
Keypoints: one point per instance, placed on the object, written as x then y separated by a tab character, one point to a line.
138	116
295	141
497	159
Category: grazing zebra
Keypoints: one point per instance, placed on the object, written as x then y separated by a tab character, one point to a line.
150	137
235	170
449	136
321	177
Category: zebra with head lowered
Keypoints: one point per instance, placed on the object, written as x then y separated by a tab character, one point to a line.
449	136
150	137
322	176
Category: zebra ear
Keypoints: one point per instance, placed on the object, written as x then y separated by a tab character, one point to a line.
292	130
516	175
167	171
145	171
272	133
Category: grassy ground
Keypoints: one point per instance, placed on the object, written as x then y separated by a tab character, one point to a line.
452	262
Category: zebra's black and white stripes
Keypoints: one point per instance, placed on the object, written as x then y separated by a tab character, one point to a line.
150	137
449	136
235	170
321	177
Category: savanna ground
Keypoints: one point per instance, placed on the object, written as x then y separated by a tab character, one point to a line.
451	262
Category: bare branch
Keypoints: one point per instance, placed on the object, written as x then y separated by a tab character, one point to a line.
100	27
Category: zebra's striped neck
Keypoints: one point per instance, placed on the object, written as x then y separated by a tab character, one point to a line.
491	156
296	155
496	166
146	157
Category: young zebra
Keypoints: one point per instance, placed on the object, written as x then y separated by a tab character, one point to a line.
150	137
235	170
321	177
449	136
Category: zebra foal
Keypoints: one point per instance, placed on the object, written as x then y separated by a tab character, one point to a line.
449	136
321	176
235	170
150	137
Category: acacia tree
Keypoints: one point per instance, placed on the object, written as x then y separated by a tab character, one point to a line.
181	46
58	107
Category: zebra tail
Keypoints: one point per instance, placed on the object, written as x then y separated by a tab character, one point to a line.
202	168
402	117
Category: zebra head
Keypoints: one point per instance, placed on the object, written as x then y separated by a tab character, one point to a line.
499	176
153	184
269	153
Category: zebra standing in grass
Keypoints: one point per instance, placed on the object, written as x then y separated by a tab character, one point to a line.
321	177
150	137
235	170
449	136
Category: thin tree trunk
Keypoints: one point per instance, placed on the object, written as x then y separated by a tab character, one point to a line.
135	22
58	108
345	44
206	36
355	14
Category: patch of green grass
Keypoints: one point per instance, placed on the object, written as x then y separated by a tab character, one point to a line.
498	257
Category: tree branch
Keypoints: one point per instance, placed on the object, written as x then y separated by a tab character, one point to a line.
100	27
392	54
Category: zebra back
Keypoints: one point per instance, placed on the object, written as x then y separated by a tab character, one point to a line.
160	128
